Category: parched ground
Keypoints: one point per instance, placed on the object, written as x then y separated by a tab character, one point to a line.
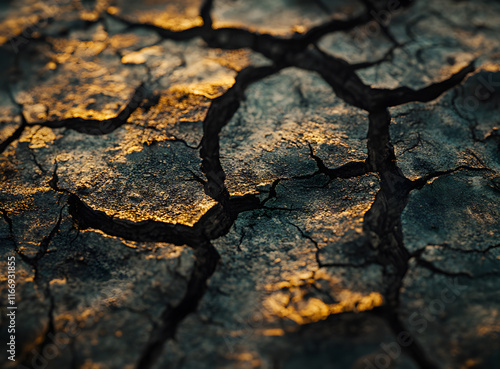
251	184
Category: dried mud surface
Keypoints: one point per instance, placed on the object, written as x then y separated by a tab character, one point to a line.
251	184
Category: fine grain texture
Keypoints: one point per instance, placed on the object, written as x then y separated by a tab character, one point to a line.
251	184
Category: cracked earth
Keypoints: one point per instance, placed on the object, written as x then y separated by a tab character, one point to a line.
265	184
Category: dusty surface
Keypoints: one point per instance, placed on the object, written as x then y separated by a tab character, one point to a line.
235	184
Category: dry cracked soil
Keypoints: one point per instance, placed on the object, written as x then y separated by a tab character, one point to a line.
250	184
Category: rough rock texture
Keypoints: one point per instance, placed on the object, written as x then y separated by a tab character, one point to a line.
264	184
